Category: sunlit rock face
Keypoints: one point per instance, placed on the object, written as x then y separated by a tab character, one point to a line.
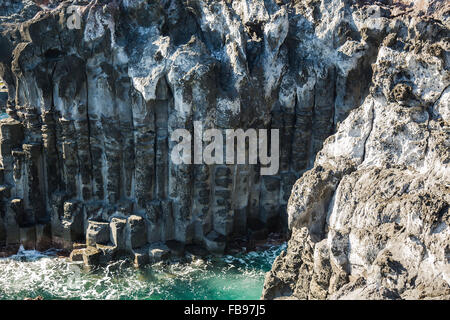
371	219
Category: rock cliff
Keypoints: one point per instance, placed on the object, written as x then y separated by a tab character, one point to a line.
371	219
95	89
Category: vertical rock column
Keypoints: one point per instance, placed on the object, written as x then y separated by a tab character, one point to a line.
181	175
162	105
96	149
4	190
287	176
323	116
223	213
69	156
302	130
35	186
51	158
84	155
113	157
202	198
144	141
241	191
11	138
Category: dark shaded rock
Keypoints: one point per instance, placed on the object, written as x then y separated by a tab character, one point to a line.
402	92
108	254
118	233
97	232
137	232
158	252
43	236
197	250
141	257
28	237
91	256
215	242
176	248
77	255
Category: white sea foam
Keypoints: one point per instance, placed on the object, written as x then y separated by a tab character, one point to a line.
30	273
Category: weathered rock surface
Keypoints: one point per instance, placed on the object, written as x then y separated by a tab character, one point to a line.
92	109
371	219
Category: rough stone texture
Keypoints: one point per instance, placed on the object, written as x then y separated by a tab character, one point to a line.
92	109
97	232
176	248
76	255
141	258
118	233
371	219
138	232
158	252
215	242
91	256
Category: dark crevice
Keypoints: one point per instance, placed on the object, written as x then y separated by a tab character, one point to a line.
53	54
89	127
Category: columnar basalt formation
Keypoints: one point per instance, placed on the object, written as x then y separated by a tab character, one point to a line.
91	111
371	219
86	147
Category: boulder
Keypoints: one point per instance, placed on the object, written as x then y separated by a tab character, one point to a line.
176	248
137	231
158	252
91	256
97	233
77	255
141	257
118	233
215	242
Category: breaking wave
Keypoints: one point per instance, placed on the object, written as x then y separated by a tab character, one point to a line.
30	273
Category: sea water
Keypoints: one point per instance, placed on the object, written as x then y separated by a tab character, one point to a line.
30	273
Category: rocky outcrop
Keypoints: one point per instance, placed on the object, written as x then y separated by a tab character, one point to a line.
97	87
371	219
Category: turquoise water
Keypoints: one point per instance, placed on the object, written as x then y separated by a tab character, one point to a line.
31	274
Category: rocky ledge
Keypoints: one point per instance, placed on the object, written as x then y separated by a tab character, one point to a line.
371	219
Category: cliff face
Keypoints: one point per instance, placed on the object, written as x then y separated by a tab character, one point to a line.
85	150
371	219
92	109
